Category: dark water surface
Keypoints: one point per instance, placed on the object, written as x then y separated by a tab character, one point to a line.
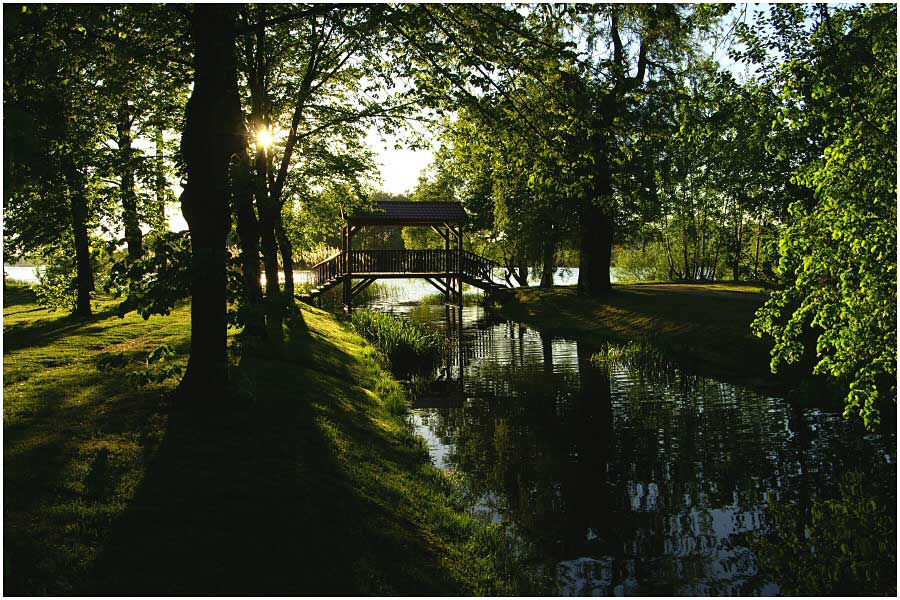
618	481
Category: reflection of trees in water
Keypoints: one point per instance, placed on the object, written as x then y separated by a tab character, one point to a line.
844	546
651	476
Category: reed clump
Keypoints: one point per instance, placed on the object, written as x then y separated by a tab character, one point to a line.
409	347
640	355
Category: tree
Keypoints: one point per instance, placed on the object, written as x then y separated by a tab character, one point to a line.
837	83
318	75
212	143
630	49
54	122
67	112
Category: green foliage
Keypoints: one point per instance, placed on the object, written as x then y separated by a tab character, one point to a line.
56	287
838	250
104	76
154	283
409	348
844	546
646	263
161	364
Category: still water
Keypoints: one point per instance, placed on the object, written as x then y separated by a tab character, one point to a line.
617	481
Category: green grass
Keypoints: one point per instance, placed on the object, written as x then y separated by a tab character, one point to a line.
310	484
706	327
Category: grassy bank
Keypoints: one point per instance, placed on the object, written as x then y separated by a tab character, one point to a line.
705	326
306	482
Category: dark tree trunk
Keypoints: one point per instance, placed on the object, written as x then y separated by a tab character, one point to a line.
287	259
756	258
739	250
84	278
248	235
521	275
596	236
273	301
213	135
133	235
159	183
548	263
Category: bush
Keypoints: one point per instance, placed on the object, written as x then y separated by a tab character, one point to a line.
641	264
408	346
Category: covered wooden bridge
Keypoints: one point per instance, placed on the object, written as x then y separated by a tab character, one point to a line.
446	269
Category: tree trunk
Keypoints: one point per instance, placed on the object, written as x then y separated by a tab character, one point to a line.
248	236
84	277
595	224
159	183
521	275
739	249
596	234
756	258
273	301
213	134
548	264
133	235
287	259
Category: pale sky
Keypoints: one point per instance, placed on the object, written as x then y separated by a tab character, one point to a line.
399	169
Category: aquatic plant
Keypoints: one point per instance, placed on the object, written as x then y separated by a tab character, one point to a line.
642	355
469	298
408	346
334	298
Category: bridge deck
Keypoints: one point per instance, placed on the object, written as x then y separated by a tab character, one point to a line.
440	267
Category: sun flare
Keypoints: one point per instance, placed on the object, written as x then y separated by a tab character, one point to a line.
264	139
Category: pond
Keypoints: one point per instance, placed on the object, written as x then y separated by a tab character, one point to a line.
627	481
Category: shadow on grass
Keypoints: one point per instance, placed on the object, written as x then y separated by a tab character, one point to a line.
264	499
30	334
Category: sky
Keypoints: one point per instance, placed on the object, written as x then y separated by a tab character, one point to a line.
399	169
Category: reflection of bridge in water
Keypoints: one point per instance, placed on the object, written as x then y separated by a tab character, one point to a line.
480	341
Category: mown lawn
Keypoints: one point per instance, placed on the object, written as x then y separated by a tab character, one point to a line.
705	326
305	481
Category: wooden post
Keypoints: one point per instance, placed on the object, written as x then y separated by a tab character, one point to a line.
345	238
348	272
459	283
447	269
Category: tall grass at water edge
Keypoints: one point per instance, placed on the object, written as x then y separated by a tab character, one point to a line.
409	347
640	355
469	298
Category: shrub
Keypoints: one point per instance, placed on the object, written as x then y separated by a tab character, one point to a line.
408	346
638	264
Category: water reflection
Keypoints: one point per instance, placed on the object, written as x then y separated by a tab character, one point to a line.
622	481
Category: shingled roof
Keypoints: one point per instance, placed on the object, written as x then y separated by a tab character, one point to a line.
395	212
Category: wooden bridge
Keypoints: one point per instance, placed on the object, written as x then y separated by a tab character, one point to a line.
446	269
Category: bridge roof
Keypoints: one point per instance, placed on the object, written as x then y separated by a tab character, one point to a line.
396	212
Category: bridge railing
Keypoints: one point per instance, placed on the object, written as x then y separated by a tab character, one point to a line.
414	262
329	269
403	261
